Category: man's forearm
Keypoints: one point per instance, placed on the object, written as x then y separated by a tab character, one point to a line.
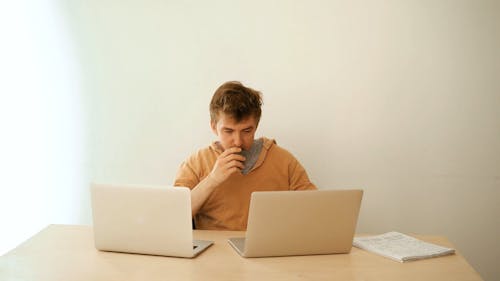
200	193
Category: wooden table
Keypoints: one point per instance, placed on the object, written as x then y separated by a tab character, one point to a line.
66	252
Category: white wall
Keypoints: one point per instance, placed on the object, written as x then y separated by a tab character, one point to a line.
43	174
401	98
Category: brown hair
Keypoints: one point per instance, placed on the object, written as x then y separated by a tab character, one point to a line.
236	100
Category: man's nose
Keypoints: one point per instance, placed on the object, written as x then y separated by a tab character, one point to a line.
237	140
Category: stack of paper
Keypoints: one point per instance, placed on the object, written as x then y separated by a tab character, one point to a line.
400	247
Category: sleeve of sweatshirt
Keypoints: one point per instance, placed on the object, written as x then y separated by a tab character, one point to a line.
298	177
186	175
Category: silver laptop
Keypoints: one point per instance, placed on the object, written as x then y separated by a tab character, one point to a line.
144	220
287	223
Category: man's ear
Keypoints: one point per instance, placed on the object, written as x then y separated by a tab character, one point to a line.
213	125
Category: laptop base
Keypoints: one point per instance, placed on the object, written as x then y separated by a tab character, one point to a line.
238	244
200	246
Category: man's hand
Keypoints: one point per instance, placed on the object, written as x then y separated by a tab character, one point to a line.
228	163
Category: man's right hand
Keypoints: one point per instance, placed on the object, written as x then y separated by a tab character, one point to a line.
228	163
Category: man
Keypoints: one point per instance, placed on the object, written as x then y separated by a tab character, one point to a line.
223	176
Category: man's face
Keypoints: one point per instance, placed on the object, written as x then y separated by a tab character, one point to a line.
234	134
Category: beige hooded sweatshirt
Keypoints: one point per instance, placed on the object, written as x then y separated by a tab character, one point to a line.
227	207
